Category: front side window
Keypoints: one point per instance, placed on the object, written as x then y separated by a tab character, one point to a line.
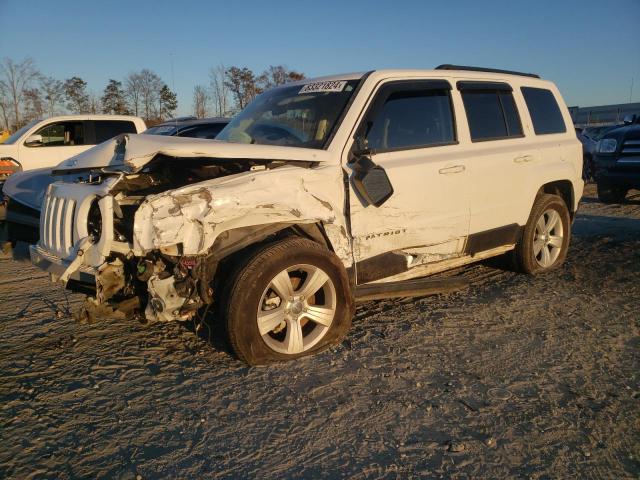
544	110
412	119
491	113
62	134
296	116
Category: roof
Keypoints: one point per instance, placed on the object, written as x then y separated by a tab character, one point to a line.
449	71
89	116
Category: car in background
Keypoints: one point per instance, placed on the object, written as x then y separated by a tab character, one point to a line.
190	127
589	138
24	191
45	143
617	161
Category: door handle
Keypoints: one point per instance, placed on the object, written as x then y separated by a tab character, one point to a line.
454	169
523	159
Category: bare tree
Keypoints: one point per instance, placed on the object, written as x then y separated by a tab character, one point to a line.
5	107
133	91
53	92
150	86
200	100
34	105
94	103
17	77
219	91
276	75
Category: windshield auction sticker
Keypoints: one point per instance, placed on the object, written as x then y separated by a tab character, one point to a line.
335	86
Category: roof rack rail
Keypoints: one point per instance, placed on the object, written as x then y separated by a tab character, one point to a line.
447	66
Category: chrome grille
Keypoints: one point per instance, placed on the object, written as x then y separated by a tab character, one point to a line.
56	225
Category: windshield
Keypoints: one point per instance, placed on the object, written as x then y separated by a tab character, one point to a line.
18	133
295	116
161	130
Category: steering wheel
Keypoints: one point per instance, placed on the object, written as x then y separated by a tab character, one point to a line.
274	133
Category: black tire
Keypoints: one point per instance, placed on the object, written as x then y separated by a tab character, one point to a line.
587	168
526	258
611	194
252	281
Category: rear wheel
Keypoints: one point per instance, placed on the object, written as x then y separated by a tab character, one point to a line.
545	239
610	193
291	299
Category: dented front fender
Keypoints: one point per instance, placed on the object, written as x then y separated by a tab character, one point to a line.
193	217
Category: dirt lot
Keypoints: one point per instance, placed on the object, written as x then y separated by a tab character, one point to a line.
517	376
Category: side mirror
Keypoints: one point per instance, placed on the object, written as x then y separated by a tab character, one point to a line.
629	119
34	141
370	181
373	185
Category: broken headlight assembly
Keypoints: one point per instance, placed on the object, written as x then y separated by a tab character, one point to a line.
94	222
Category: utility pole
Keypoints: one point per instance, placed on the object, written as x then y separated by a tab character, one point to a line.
631	90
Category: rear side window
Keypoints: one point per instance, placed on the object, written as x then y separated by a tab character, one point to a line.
412	119
544	110
491	112
107	129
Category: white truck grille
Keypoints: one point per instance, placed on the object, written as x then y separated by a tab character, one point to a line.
56	225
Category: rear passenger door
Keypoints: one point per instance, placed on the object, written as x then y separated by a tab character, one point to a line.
500	161
410	129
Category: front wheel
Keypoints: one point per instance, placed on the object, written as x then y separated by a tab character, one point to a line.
291	299
545	238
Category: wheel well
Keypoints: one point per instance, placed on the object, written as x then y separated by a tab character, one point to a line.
232	262
564	190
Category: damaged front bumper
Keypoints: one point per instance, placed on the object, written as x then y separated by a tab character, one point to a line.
59	268
77	244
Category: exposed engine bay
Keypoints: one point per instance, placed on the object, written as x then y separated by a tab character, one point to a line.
163	285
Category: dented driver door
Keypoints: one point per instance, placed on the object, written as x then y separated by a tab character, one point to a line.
410	131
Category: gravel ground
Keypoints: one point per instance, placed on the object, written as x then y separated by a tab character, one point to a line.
514	377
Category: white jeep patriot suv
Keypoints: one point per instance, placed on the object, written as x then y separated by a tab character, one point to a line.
317	190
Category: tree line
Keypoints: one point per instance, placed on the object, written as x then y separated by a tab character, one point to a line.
26	94
231	89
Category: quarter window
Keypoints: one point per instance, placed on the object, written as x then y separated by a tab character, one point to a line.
412	119
544	110
491	113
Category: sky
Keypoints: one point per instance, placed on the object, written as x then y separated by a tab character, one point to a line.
590	49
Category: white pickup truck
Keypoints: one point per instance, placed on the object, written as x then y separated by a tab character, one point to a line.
45	143
315	191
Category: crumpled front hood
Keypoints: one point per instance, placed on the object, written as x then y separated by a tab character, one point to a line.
130	152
